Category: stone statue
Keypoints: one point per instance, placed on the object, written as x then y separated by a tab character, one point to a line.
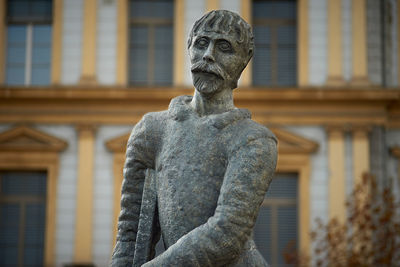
197	173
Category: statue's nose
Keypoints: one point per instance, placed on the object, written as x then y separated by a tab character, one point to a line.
208	55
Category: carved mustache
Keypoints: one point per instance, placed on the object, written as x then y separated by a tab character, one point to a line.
208	68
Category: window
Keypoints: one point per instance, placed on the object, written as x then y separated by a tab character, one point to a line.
276	227
22	218
151	42
28	42
275	56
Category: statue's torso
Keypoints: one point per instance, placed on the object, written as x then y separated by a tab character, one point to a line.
190	169
191	156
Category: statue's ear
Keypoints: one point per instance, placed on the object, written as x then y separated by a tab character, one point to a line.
250	54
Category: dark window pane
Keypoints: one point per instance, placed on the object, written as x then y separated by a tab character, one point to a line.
34	234
163	55
29	11
287	35
42	35
9	232
139	66
40	75
287	66
151	42
287	230
41	8
285	9
9	256
262	66
151	9
163	36
276	226
15	75
275	39
139	35
262	35
283	186
40	55
162	67
16	34
23	183
262	233
18	8
16	55
9	214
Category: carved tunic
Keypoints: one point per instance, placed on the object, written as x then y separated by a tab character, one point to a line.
211	172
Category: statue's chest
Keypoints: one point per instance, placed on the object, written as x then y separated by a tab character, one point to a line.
192	151
190	170
193	142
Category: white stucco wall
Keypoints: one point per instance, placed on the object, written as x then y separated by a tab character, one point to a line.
232	5
106	42
66	192
395	48
318	62
72	41
319	170
347	39
194	9
103	194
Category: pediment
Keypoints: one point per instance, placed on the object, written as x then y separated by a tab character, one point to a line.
289	143
23	138
118	144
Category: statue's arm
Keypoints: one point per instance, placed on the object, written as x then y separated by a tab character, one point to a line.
138	159
221	239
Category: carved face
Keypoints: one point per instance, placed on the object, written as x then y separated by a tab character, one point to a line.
217	61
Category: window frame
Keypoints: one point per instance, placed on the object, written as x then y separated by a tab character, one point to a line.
39	152
150	23
22	201
30	22
273	24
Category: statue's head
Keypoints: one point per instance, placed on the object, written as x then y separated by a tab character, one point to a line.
220	45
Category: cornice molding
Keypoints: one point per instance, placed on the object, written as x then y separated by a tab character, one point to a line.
347	107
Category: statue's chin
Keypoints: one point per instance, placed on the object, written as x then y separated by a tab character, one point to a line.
208	85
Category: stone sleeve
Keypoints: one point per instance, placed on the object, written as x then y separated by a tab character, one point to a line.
138	158
221	239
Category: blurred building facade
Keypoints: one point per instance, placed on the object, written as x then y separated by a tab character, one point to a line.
76	75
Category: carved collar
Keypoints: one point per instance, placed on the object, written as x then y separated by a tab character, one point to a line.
180	110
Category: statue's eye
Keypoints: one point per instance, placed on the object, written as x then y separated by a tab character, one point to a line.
202	42
225	46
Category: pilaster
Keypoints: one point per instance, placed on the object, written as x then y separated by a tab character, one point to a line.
335	55
359	43
56	50
84	197
360	153
337	183
88	75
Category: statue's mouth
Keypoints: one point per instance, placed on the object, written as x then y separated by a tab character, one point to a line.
206	72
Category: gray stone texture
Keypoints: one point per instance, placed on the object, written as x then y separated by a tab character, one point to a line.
198	172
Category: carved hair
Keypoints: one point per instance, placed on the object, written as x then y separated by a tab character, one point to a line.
226	22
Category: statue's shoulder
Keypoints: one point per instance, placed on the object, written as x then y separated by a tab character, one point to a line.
245	132
249	130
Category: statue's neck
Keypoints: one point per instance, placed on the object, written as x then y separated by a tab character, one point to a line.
215	104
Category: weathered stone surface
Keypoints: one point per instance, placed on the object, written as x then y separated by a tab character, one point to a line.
212	164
